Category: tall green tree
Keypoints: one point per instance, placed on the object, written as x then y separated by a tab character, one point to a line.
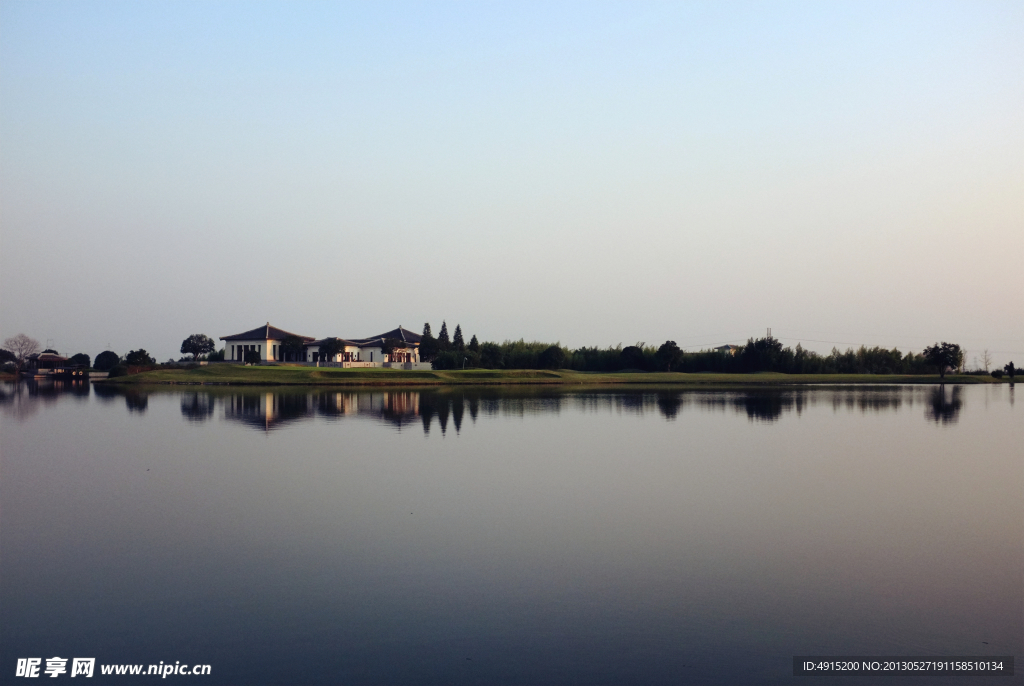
198	344
552	357
762	355
668	355
428	344
474	344
390	345
457	342
79	360
138	358
329	347
106	360
293	348
942	356
443	342
631	357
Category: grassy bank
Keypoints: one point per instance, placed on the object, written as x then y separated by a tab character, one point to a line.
237	375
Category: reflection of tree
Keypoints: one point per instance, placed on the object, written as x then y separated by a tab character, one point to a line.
943	411
104	392
443	408
197	407
458	407
669	404
16	401
136	400
765	407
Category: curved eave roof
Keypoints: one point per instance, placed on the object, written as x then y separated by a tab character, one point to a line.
264	333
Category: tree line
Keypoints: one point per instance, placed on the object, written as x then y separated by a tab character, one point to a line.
757	355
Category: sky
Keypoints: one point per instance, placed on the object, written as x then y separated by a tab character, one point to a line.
591	173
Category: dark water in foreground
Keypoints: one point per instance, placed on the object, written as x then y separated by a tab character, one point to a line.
509	537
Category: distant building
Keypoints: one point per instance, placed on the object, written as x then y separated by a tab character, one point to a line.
727	349
266	340
369	352
357	352
39	361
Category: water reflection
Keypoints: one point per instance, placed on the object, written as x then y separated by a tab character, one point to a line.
444	409
944	407
23	399
197	407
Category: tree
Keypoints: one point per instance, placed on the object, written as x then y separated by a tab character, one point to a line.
7	356
986	360
428	344
552	357
474	344
198	344
1010	370
252	356
79	360
106	360
51	351
631	357
390	345
21	346
761	355
443	342
943	355
138	358
457	342
492	356
294	348
668	354
329	348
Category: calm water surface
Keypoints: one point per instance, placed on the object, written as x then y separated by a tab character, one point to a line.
509	537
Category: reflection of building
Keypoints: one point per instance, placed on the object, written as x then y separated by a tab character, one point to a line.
271	410
402	345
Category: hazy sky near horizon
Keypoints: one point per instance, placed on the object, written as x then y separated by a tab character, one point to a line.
591	173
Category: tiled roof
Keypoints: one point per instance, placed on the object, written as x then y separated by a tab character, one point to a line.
398	334
264	333
49	357
320	341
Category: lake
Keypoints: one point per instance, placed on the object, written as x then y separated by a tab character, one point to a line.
509	536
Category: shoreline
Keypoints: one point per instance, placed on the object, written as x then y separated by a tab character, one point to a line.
314	376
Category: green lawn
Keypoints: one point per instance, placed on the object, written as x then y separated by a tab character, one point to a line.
232	374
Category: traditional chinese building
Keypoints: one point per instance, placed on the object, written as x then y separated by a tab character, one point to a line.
268	341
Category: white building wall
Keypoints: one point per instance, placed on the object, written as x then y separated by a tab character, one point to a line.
262	345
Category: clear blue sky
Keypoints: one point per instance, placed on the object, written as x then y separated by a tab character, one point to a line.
586	172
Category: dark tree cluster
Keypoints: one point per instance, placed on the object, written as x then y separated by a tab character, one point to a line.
446	352
198	344
758	355
106	361
139	358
